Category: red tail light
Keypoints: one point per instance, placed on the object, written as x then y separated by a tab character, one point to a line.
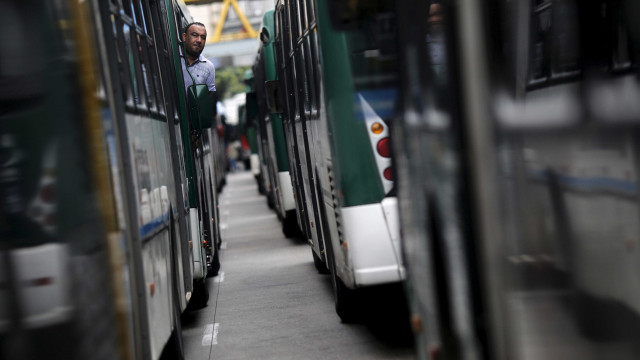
383	147
388	174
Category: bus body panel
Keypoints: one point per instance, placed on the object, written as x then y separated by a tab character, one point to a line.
196	248
106	161
336	174
371	232
157	288
518	155
43	305
277	160
354	164
287	191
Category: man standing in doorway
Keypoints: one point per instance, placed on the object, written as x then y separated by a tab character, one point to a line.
202	70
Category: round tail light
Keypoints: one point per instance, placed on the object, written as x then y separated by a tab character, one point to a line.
383	147
388	174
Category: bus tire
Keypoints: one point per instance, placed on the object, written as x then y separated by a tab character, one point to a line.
260	183
320	265
290	227
215	265
343	297
270	202
200	296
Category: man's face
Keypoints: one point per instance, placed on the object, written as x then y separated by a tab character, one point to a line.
194	40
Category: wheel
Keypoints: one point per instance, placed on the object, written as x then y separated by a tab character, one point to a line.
175	347
320	265
290	227
260	183
343	297
214	267
270	202
200	296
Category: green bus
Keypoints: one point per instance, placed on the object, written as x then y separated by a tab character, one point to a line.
107	205
517	157
249	124
280	189
340	89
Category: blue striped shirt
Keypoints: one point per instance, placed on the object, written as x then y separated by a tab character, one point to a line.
202	71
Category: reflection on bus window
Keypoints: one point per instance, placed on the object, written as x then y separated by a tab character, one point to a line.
554	42
437	54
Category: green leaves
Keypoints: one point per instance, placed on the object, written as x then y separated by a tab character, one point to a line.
230	81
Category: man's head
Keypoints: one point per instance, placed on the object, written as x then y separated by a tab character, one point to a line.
194	37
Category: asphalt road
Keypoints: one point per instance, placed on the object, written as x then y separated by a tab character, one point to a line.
269	302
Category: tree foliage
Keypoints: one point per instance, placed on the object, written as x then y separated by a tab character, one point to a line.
230	81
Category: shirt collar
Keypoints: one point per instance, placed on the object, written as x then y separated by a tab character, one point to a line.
200	58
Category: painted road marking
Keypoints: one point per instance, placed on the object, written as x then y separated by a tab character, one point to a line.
219	278
210	336
215	334
207	337
223	245
224	226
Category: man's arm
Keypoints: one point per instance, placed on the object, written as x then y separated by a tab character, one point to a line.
211	83
211	79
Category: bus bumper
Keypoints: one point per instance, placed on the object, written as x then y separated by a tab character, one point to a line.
372	235
286	191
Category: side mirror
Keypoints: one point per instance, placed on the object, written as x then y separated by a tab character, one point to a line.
201	108
274	96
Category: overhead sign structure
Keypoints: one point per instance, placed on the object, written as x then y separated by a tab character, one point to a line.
217	34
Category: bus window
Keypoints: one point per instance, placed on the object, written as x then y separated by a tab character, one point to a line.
374	65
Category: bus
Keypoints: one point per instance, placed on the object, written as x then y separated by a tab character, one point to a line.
516	157
272	134
340	87
249	126
107	206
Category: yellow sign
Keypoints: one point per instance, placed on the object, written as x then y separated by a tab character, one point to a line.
217	34
200	2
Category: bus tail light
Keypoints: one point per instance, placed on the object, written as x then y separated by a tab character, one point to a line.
388	174
383	147
377	128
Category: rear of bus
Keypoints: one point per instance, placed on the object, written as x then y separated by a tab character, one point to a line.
359	67
278	161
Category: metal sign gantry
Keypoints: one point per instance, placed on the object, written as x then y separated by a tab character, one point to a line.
217	34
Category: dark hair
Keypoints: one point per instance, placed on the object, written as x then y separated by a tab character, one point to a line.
193	23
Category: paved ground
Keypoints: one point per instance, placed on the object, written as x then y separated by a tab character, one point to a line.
270	303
